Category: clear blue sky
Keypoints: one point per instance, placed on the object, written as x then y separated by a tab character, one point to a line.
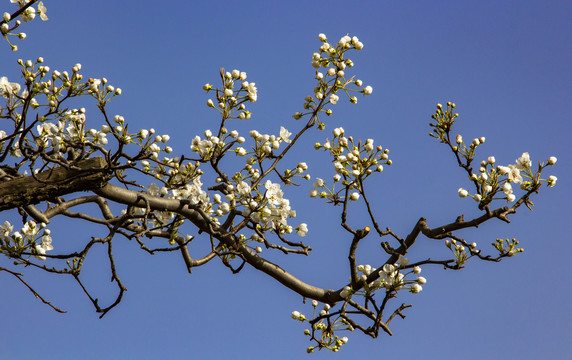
505	64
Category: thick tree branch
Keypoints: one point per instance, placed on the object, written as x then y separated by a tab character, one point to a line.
86	175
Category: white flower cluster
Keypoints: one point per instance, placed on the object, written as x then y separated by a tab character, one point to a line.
352	162
389	277
333	59
27	239
58	129
462	253
270	209
8	89
493	180
192	192
230	101
27	15
265	143
328	339
30	13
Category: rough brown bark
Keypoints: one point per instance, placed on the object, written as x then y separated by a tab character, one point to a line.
52	183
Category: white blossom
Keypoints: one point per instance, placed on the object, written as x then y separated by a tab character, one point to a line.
8	89
514	174
273	192
416	288
302	229
252	92
402	261
243	188
523	162
285	134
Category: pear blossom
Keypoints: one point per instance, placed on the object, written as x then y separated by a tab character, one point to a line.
243	188
523	162
552	180
334	99
367	90
463	193
552	160
45	246
416	288
8	89
252	92
302	229
285	134
514	174
503	170
29	14
6	229
273	192
30	229
345	292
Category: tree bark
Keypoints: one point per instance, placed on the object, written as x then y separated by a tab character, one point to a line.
87	175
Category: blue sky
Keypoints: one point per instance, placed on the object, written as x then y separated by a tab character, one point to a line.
505	64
